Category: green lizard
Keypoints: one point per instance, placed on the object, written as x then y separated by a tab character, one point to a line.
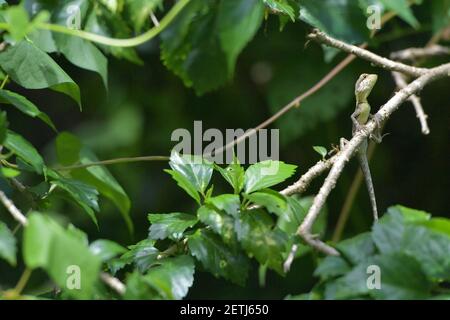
360	116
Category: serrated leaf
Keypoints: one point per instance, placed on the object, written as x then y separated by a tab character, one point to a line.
357	249
184	183
218	258
202	43
84	195
402	278
143	254
331	267
196	170
273	201
25	106
321	150
266	173
106	249
24	150
32	68
49	246
8	248
170	225
229	203
342	19
220	222
233	174
255	231
173	278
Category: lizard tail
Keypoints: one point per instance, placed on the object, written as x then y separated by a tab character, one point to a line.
368	178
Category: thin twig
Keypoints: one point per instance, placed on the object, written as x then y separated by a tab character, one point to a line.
418	53
9	205
385	63
113	161
113	283
415	100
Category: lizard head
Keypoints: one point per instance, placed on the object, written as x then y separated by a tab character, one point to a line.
364	85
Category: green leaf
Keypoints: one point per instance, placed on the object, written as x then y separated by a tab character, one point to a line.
218	258
83	54
342	19
440	11
273	201
321	150
9	172
229	203
32	68
25	106
3	127
402	278
233	174
265	174
238	21
202	43
394	234
438	224
255	231
43	39
170	225
184	183
143	255
138	288
7	245
357	249
410	215
403	10
196	170
431	249
140	10
106	249
105	183
49	246
24	150
280	7
173	278
221	223
68	148
331	267
84	195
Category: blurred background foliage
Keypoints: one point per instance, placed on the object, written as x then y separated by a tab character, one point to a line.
145	102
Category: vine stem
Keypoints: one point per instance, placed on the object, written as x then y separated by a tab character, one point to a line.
113	42
22	281
4	82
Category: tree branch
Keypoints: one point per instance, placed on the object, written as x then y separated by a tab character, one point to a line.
385	63
415	100
350	148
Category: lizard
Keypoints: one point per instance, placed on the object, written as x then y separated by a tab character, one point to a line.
360	116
